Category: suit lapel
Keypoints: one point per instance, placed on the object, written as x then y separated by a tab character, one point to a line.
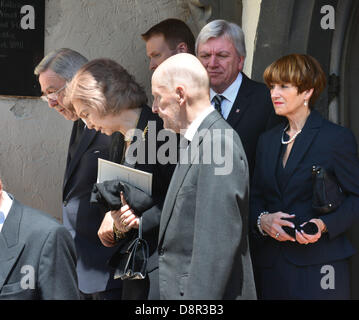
72	139
8	258
10	247
187	158
274	148
86	139
241	103
302	144
177	179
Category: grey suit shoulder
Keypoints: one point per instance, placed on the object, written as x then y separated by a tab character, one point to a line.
37	257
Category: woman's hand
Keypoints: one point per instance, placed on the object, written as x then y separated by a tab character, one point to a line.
105	232
272	224
304	238
125	218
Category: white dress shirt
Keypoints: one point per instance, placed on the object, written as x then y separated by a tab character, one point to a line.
229	94
5	206
193	127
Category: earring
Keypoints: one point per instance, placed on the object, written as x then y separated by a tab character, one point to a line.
305	103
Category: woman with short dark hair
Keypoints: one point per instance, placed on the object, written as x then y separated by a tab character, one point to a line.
290	260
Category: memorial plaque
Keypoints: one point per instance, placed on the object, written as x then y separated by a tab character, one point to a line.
21	46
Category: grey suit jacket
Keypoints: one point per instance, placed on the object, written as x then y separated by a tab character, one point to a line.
203	239
37	257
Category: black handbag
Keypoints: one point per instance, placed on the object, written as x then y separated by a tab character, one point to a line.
309	228
327	194
107	195
131	263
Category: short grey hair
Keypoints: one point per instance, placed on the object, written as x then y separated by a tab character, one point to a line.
219	28
64	62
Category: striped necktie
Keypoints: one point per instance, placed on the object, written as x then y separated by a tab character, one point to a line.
2	217
217	99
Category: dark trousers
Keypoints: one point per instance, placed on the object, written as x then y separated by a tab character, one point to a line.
113	294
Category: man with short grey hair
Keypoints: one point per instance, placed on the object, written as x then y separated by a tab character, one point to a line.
80	217
54	70
244	103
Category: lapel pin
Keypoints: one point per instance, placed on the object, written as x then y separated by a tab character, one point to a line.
237	111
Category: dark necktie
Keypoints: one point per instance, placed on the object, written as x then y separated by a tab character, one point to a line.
217	99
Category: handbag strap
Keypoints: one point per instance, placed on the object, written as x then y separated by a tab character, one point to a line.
140	228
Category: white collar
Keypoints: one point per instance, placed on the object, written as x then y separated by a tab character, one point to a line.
6	204
231	92
193	127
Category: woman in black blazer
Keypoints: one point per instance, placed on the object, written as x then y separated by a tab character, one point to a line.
301	265
109	99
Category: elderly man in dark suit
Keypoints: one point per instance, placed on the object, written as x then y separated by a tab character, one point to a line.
244	103
37	254
203	241
80	217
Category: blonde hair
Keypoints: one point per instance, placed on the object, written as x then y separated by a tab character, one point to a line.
300	70
106	86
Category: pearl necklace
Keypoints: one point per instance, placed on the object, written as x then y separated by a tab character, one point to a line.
292	138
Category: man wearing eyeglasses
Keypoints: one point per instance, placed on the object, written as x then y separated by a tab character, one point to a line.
80	217
53	97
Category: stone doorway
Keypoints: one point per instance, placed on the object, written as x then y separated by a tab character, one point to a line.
349	112
349	97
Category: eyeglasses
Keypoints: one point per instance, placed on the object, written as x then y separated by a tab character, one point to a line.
53	95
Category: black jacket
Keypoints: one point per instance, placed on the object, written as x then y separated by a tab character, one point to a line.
162	174
252	113
82	218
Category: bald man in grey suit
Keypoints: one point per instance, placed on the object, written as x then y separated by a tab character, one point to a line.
203	240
